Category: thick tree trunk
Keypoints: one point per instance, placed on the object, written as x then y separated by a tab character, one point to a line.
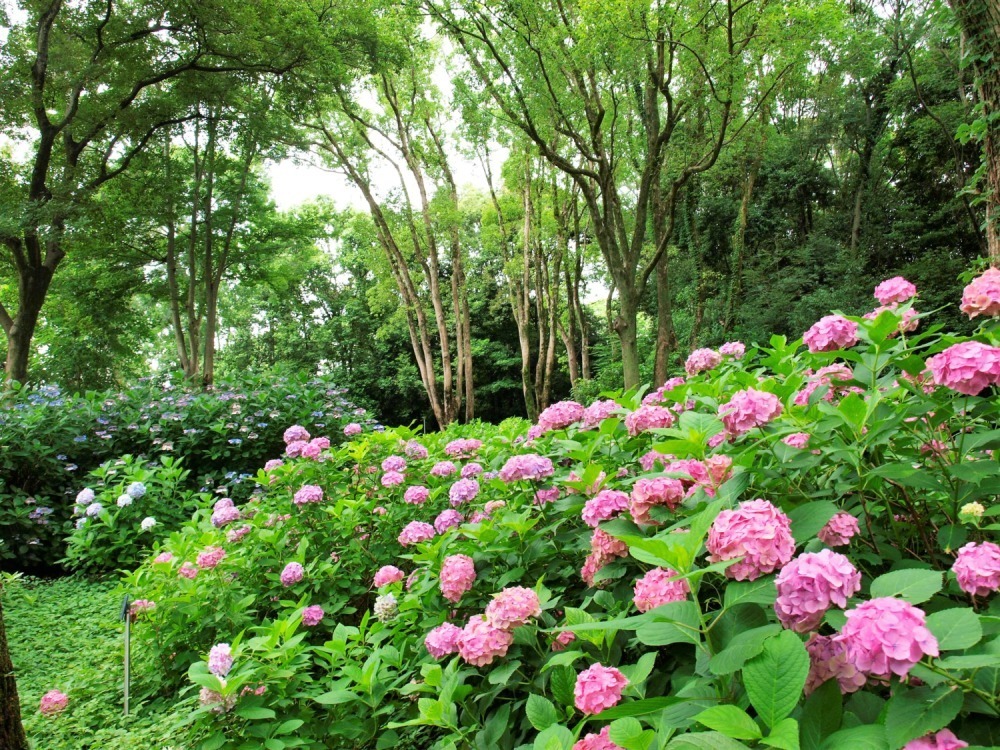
666	336
33	284
11	730
624	324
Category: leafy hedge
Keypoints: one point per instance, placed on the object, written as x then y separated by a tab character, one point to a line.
50	441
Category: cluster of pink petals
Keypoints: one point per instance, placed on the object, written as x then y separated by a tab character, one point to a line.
982	295
309	493
747	409
597	741
220	659
895	290
291	574
943	740
655	588
415	450
839	530
273	464
387	574
312	616
648	493
443	469
138	607
831	377
513	607
469	471
605	505
968	367
416	495
235	535
561	415
648	418
224	513
605	547
700	360
660	394
296	434
53	702
188	570
480	642
463	447
546	495
447	519
294	449
210	557
828	660
830	333
910	320
526	466
598	411
415	532
887	636
648	461
977	568
314	447
164	557
796	440
810	584
394	463
598	688
392	479
758	532
443	640
458	573
463	491
352	429
734	349
561	641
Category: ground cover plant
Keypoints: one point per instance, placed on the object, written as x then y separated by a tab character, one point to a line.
790	546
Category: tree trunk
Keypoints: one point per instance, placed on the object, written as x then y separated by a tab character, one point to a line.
666	336
624	324
32	286
11	730
980	22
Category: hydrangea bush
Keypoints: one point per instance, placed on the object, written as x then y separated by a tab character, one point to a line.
802	555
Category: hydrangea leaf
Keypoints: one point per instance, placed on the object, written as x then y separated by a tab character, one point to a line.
774	679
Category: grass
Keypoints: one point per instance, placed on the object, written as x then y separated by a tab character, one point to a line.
65	634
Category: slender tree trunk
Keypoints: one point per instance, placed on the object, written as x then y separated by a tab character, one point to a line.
11	730
625	325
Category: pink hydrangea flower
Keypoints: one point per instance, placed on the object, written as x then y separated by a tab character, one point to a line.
757	531
598	688
394	463
648	461
415	450
605	547
320	442
387	574
294	448
443	640
220	659
472	470
647	493
225	515
164	557
810	584
463	447
747	409
292	574
828	660
655	588
968	367
53	702
977	568
443	469
296	434
546	495
716	440
309	493
597	741
210	557
458	573
234	535
734	349
463	491
416	532
887	636
311	450
895	290
416	494
910	320
561	641
480	642
392	479
493	505
526	466
982	296
312	616
591	566
513	607
273	464
560	415
830	333
700	360
605	505
796	440
943	740
188	570
447	519
648	418
598	411
352	429
839	530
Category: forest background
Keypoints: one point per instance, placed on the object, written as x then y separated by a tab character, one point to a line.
546	198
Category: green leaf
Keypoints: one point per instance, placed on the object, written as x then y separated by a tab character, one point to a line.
762	591
822	715
336	697
785	735
676	622
555	737
774	679
705	741
289	726
255	712
955	629
868	737
808	519
742	648
501	674
540	712
628	733
913	585
731	721
638	708
561	683
915	712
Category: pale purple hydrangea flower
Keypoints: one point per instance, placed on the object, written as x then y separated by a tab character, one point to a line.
291	574
839	530
527	466
416	532
700	360
220	660
810	584
447	519
463	491
443	469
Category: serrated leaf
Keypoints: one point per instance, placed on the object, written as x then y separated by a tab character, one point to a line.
335	697
626	732
784	736
741	649
867	737
254	712
808	519
774	679
731	721
762	591
561	683
913	585
705	741
918	711
822	715
540	712
555	737
955	629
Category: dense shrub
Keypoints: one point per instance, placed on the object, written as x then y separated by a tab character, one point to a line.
49	441
785	548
